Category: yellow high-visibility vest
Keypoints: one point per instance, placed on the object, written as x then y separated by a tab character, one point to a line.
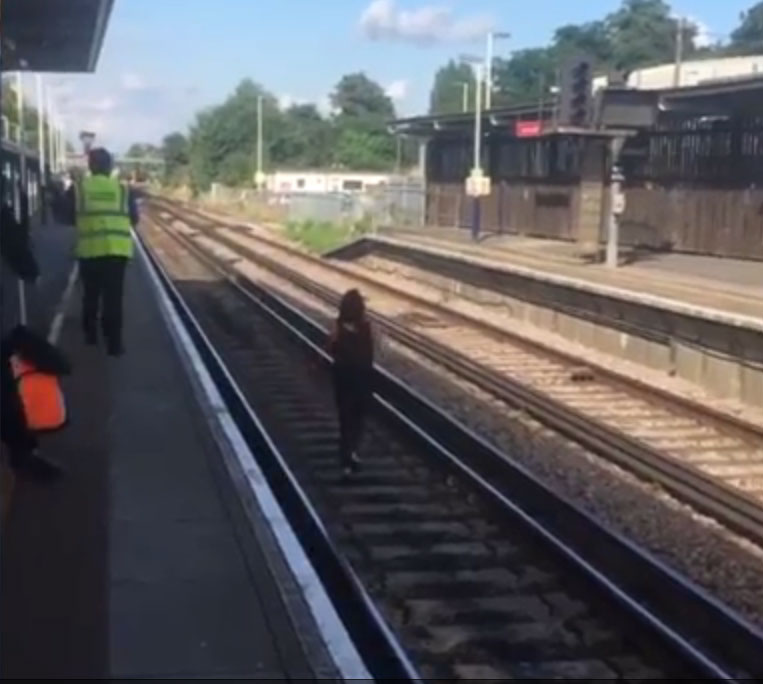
103	218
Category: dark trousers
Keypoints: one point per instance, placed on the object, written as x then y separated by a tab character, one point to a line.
352	407
102	289
14	432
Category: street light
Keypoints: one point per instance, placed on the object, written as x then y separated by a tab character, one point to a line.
465	100
259	177
477	185
491	37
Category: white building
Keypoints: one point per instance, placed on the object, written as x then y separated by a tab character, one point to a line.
317	181
692	73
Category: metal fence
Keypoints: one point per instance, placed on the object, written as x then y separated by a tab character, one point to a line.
402	202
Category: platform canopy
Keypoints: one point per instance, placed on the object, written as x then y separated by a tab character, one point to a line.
53	35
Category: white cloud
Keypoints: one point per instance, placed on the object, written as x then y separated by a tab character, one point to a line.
102	104
704	36
132	81
397	90
383	20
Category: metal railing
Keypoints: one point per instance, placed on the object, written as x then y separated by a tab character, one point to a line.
401	202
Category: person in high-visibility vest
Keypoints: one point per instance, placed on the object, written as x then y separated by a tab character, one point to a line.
104	213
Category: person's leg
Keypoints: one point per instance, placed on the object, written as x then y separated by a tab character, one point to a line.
88	270
113	279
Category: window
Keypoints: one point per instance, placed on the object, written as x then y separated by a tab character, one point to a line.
300	183
352	185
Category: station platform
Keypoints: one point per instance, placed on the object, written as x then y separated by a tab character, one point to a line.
733	286
143	561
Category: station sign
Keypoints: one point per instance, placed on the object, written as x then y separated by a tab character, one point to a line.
477	184
528	129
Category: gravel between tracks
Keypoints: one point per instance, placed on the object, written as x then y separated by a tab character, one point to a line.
725	564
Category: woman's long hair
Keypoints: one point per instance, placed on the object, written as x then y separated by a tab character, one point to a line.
352	308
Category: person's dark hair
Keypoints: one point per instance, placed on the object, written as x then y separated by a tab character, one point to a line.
99	161
352	308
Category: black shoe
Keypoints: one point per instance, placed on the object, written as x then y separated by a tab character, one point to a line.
39	468
91	339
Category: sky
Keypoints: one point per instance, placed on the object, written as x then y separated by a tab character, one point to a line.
164	60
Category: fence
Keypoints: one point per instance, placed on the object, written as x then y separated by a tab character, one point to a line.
402	202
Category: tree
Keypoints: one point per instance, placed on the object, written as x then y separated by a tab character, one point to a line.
143	150
525	77
747	39
643	32
591	39
223	139
448	89
358	97
176	155
363	112
306	140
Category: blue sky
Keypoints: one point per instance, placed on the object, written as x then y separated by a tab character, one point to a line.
163	60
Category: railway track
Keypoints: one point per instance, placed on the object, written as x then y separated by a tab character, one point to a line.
707	458
472	562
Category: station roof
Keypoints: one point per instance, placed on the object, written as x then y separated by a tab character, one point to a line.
443	123
732	97
742	96
53	35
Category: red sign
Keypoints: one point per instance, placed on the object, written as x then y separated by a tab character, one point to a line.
527	129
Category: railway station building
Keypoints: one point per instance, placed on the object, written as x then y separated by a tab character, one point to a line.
692	174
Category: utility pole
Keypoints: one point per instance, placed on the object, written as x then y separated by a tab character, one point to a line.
21	141
259	177
51	133
491	36
679	52
41	144
476	207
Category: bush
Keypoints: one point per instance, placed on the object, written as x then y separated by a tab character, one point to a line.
322	236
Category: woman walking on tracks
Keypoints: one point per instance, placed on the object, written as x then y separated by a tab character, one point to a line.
352	346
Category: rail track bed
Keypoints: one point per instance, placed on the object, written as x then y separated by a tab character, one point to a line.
473	585
708	458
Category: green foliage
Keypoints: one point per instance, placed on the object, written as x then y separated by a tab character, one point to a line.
747	39
322	236
176	154
448	91
222	143
639	33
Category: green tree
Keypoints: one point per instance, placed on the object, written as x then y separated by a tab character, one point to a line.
143	151
363	112
448	89
523	78
223	139
591	39
176	155
747	38
358	97
306	139
643	32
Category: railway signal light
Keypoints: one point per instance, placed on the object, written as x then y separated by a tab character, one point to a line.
576	92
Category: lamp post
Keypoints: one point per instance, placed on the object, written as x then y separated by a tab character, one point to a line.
259	177
477	184
465	96
491	38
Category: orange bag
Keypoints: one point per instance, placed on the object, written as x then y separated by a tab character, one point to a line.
41	396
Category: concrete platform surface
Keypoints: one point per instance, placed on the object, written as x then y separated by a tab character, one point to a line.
732	286
141	562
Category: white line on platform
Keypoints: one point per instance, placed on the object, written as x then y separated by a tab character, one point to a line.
336	638
63	305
